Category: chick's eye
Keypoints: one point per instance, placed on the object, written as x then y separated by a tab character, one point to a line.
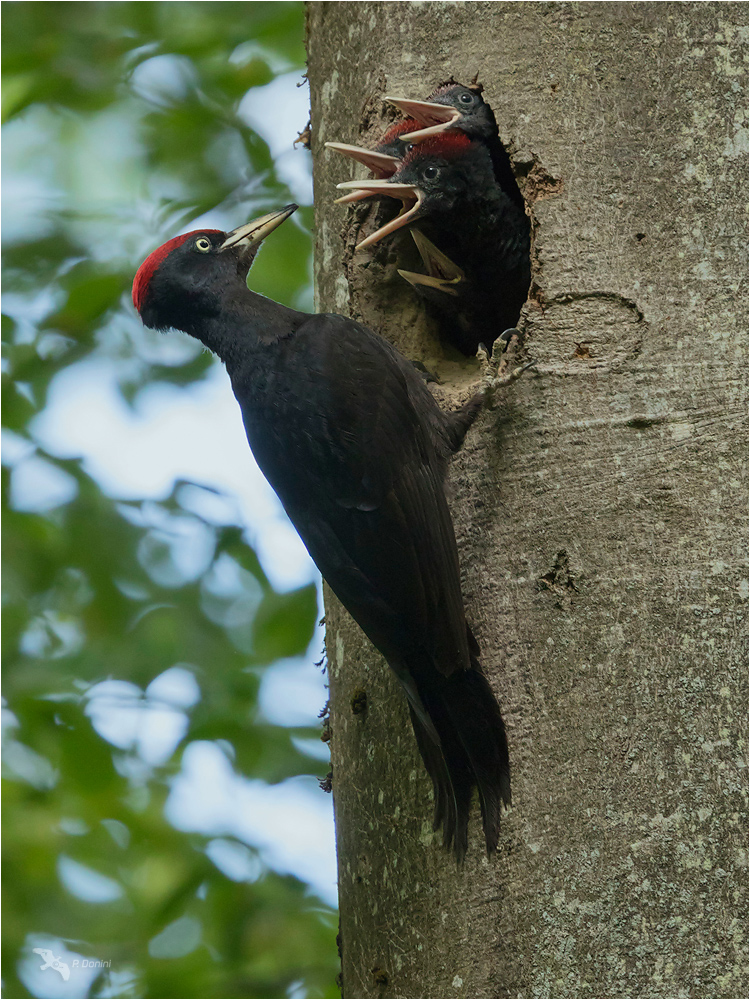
430	173
466	98
203	244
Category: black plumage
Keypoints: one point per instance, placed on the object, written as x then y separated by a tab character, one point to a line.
351	439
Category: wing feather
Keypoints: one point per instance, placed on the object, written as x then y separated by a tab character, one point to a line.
357	454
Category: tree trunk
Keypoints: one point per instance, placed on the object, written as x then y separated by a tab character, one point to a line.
599	510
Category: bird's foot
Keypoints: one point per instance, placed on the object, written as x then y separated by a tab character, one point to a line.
499	369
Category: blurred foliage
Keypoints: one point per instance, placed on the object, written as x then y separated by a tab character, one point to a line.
123	124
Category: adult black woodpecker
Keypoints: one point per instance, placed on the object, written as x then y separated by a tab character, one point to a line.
356	448
446	184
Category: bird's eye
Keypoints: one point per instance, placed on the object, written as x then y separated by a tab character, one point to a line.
203	244
466	98
409	147
431	173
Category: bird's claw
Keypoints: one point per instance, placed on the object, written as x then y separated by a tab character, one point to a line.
425	373
498	371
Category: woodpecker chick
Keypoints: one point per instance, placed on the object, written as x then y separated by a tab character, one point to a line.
447	185
453	106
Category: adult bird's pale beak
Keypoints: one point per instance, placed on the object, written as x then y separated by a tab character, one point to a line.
253	233
435	117
408	194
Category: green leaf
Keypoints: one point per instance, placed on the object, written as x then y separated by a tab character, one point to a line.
284	624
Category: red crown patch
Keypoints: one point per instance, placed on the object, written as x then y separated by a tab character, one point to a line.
150	265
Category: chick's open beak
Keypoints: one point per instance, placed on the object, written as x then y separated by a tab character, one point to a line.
410	196
443	274
381	164
435	117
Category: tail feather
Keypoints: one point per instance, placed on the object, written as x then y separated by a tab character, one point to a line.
471	750
476	717
451	779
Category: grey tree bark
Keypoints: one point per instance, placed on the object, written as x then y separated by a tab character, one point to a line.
599	508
